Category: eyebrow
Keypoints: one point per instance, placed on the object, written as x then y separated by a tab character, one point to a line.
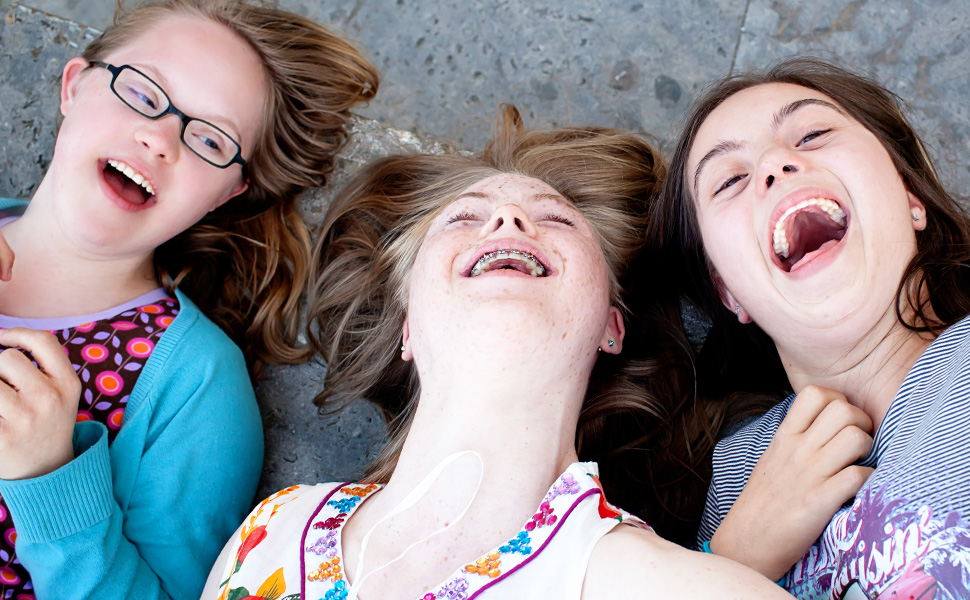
776	122
221	122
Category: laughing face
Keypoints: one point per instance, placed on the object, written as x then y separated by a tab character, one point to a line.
510	262
802	213
123	183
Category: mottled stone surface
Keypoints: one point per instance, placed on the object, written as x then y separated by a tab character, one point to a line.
33	49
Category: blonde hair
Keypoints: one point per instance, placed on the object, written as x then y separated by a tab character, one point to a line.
245	263
371	235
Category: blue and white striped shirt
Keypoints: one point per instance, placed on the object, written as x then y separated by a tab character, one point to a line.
906	533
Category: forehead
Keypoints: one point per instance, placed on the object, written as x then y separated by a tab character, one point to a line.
208	71
748	113
511	186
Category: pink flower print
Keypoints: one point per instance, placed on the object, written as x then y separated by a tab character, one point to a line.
83	415
152	309
123	325
108	383
140	347
94	353
164	322
8	576
26	597
115	418
3	512
85	327
11	537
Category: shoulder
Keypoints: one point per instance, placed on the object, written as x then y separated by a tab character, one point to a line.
636	562
753	438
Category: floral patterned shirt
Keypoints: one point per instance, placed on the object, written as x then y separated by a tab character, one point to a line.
289	548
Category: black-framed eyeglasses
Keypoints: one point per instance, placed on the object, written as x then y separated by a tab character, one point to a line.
148	99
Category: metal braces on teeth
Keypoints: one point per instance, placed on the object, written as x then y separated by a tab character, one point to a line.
508	253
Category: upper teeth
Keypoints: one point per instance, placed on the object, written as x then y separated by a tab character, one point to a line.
132	175
780	238
535	267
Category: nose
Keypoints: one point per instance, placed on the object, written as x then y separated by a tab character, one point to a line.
777	166
512	218
161	137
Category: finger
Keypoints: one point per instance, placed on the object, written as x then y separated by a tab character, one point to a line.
849	446
809	403
43	346
6	259
17	371
846	484
836	416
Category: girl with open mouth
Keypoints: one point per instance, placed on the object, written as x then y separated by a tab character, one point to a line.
189	128
484	299
803	215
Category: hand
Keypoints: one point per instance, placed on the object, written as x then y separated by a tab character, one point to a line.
798	484
38	406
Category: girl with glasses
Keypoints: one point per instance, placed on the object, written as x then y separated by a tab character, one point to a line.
814	231
164	230
490	301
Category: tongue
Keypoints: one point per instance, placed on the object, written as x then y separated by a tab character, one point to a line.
124	187
509	264
808	232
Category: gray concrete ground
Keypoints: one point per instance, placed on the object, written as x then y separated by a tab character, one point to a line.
447	64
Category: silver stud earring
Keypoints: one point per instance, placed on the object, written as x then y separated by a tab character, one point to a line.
611	342
402	348
737	309
916	216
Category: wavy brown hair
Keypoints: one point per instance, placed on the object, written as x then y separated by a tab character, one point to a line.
935	286
632	420
245	264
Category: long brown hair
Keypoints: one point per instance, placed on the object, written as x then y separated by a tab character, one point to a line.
367	246
245	264
742	358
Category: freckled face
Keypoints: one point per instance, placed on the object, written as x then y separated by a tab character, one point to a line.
566	309
777	148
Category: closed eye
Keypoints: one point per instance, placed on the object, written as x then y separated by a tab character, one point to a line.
462	216
557	219
811	136
728	183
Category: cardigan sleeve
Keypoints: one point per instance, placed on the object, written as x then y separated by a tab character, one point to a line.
194	467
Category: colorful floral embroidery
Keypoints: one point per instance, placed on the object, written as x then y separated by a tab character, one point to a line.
486	565
328	569
345	505
519	544
327	545
331	522
543	517
455	589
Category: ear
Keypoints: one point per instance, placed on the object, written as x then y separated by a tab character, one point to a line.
237	189
71	81
615	330
918	211
729	301
406	353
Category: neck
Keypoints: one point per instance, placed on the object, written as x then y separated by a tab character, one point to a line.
54	278
868	368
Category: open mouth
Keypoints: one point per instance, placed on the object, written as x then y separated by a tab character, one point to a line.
132	186
808	227
515	260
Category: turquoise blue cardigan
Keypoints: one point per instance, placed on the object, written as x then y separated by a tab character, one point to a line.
146	517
